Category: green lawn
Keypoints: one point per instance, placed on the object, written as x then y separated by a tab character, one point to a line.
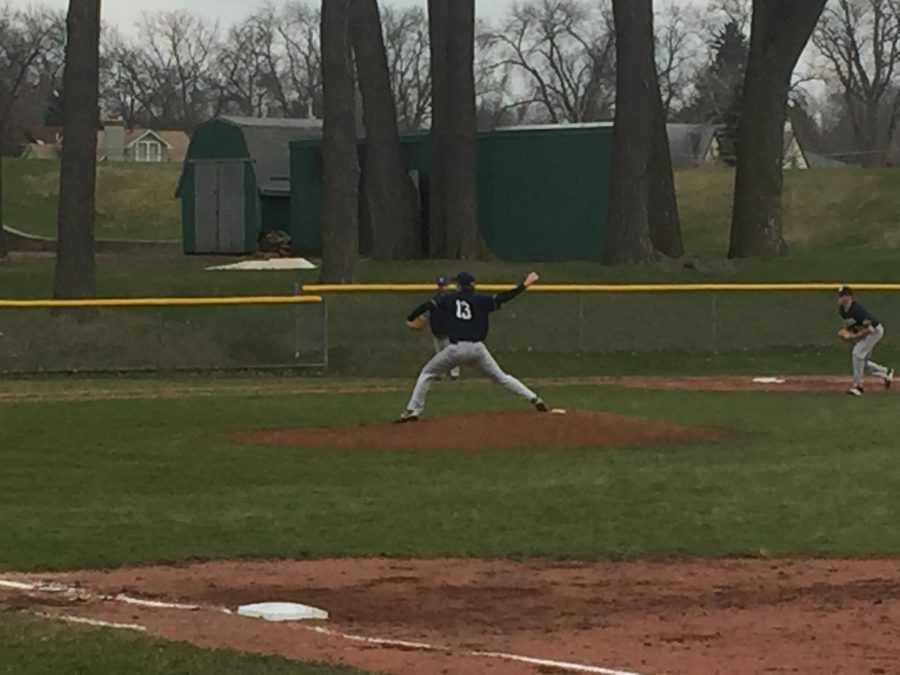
32	646
134	201
106	483
823	207
117	482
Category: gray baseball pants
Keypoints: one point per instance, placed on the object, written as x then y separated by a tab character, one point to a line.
464	354
862	350
440	344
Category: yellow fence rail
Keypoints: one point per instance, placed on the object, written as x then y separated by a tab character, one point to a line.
607	288
162	302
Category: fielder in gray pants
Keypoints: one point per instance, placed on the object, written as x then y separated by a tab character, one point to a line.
467	326
865	332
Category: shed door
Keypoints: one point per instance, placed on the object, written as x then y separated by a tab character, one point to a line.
206	207
232	208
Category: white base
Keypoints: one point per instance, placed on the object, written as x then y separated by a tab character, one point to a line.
768	380
283	611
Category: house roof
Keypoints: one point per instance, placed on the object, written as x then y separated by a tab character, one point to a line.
132	136
690	143
268	142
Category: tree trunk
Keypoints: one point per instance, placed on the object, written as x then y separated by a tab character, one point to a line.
391	195
627	235
340	165
662	208
438	16
779	34
461	209
75	267
4	248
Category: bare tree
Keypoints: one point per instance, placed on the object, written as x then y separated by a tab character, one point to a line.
30	42
340	167
860	39
303	56
779	34
250	68
406	44
565	51
627	235
391	195
677	50
78	172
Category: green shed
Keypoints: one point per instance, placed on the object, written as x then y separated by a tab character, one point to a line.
542	190
235	182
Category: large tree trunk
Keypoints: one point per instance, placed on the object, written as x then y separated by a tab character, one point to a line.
340	164
627	235
75	268
662	209
463	236
438	17
780	32
391	195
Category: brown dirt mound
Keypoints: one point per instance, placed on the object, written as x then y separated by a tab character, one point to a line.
496	430
690	616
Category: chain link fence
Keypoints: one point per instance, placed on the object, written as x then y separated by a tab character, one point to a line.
221	334
364	333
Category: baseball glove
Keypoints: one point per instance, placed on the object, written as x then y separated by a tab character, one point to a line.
418	323
846	335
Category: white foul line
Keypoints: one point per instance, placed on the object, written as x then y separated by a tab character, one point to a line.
94	622
321	630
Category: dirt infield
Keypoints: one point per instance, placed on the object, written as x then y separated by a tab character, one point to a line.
747	383
489	430
460	616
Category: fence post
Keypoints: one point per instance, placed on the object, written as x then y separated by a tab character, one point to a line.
714	320
298	321
581	323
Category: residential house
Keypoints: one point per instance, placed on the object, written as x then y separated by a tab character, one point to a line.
116	143
695	145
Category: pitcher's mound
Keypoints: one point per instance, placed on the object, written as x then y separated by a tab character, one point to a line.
490	430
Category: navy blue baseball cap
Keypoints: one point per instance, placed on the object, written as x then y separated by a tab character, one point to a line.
845	291
465	279
443	281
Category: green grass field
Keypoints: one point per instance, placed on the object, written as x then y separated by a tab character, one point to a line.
134	201
823	207
107	483
31	646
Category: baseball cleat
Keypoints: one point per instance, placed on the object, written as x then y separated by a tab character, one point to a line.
539	405
856	391
889	380
407	416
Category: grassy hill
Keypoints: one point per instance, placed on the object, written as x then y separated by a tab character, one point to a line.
824	208
134	201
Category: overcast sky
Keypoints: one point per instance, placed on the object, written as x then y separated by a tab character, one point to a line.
124	13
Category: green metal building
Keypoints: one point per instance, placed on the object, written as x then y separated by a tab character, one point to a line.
542	190
235	182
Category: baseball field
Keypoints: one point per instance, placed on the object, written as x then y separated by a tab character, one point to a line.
678	518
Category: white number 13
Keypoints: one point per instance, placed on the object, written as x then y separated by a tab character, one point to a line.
463	310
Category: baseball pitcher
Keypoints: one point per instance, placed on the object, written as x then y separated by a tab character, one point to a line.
468	317
864	331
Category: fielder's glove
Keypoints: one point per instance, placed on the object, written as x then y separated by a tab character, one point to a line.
418	323
847	335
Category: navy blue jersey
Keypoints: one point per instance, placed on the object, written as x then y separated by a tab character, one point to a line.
857	317
467	312
437	317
